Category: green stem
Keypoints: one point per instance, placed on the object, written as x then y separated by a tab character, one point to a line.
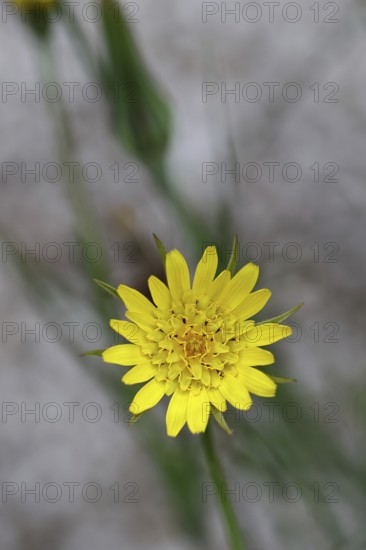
77	194
194	225
234	534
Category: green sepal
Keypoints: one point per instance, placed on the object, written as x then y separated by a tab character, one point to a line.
219	417
135	418
161	247
107	287
283	316
233	262
94	352
281	379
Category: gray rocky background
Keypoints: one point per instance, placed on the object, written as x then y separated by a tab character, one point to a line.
183	52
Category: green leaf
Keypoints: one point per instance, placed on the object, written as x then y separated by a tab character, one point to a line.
234	256
107	287
283	316
94	352
281	379
161	247
219	417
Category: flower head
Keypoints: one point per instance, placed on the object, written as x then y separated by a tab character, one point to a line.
196	343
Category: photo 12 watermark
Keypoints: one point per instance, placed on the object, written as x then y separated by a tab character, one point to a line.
271	251
69	92
70	252
69	412
272	491
70	11
269	92
270	12
72	172
70	492
291	412
267	172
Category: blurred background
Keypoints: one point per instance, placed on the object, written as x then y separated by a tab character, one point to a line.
194	121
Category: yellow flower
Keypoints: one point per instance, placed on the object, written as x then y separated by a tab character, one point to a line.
196	343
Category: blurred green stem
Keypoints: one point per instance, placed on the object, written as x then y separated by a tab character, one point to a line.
234	534
195	226
82	44
78	196
141	126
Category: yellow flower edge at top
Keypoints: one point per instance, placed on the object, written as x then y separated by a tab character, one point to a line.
35	3
196	342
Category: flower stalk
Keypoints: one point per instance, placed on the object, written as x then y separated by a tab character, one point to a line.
234	534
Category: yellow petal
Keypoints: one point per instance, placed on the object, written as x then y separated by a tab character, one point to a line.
176	415
124	354
195	366
160	292
130	331
217	399
147	397
240	286
235	392
205	271
177	274
140	373
145	322
150	348
252	304
268	333
135	301
185	379
219	285
257	382
198	411
170	387
251	357
218	347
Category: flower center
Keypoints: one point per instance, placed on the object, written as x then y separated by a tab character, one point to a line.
194	344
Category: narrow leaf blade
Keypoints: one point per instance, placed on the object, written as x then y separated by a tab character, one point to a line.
283	316
281	379
234	256
135	418
161	247
94	352
219	417
108	288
